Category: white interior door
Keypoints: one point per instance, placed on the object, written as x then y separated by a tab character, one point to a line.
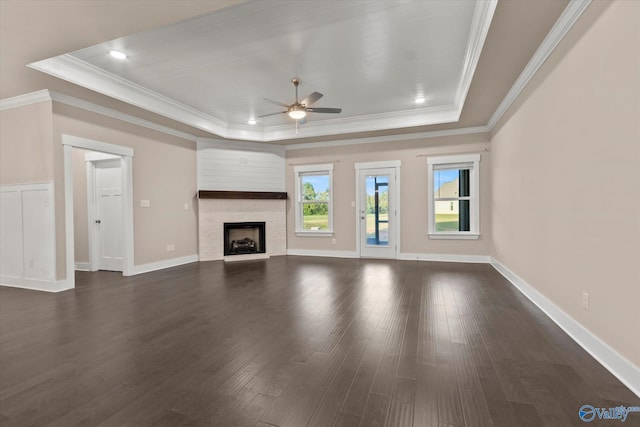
109	214
377	213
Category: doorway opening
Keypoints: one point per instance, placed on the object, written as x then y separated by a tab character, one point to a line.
109	207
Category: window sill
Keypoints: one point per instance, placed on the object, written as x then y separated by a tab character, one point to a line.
454	236
314	233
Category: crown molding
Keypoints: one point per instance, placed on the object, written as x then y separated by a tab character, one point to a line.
389	138
482	17
24	100
74	70
114	114
275	133
564	23
79	72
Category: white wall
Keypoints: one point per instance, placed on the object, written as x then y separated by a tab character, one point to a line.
240	166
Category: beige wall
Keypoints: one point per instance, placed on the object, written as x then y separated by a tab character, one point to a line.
567	152
25	144
164	172
80	209
413	205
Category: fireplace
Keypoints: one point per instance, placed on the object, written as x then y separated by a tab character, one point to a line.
243	238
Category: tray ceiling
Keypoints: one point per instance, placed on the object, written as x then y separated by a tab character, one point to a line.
370	58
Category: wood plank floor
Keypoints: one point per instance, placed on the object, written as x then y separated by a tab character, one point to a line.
294	341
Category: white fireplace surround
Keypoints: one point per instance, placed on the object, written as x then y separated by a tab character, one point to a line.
213	213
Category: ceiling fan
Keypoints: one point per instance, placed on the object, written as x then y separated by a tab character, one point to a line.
299	109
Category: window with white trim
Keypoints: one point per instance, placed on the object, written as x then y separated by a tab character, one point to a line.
453	193
314	200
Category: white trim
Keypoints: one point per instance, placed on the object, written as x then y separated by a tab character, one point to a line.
68	214
299	171
388	164
314	233
161	265
92	214
24	100
49	95
126	155
477	259
378	165
114	114
327	254
75	70
566	21
82	266
455	161
389	138
481	21
454	236
614	362
562	26
89	144
126	167
35	285
96	157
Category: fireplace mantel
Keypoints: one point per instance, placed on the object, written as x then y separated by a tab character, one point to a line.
262	195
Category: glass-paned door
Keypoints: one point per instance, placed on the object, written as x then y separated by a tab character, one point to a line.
377	214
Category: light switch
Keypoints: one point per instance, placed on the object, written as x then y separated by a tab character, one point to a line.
145	204
186	206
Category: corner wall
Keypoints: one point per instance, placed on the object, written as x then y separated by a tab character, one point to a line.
566	178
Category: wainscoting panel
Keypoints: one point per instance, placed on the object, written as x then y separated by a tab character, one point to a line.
28	236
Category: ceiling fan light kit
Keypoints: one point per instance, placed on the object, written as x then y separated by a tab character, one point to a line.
299	109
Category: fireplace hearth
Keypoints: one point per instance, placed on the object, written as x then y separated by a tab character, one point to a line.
244	238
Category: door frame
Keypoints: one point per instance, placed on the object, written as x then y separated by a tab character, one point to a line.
92	162
390	164
126	164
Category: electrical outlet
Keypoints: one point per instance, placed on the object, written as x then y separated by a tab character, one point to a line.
145	203
186	206
171	247
333	241
585	301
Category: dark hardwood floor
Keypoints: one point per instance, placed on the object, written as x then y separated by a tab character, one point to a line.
294	341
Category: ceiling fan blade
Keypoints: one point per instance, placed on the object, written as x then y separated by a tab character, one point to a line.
272	114
324	110
311	98
276	102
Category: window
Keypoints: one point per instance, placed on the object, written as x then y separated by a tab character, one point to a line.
314	200
453	196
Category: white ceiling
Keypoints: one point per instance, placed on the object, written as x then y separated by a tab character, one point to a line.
371	58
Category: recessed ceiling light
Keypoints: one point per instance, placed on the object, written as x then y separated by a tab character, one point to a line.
419	100
117	54
251	121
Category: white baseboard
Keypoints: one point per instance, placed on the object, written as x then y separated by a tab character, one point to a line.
478	259
621	368
160	265
82	266
35	284
328	254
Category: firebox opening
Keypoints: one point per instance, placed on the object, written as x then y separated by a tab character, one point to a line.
241	238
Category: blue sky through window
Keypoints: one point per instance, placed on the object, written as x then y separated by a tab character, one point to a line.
443	176
320	182
371	182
